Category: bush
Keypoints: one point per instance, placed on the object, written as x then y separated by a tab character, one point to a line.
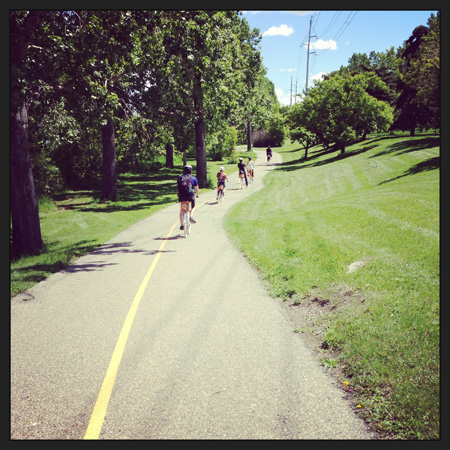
223	143
274	132
47	177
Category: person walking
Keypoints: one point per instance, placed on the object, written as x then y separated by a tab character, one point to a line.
250	169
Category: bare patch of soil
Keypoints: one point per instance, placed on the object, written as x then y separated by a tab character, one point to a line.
308	315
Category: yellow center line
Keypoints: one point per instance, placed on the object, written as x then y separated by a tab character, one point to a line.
98	414
101	405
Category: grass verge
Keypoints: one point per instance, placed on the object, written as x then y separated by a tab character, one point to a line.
351	244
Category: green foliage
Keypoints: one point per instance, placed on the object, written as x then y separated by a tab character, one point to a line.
86	66
222	143
340	109
419	104
273	133
386	65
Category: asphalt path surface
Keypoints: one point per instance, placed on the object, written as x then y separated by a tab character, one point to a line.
208	354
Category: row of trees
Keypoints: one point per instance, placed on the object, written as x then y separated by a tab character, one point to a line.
92	91
391	90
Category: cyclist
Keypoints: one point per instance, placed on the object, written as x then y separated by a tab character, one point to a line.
241	167
269	153
221	178
186	184
250	168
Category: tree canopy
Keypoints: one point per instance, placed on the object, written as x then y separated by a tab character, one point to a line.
94	91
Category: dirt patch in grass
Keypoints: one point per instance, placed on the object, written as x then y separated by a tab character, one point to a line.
309	317
308	313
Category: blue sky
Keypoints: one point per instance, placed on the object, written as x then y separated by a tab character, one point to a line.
337	35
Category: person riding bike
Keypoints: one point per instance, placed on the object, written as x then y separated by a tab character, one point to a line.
186	184
242	171
221	178
250	168
269	153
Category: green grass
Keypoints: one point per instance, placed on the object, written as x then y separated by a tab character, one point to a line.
378	204
75	222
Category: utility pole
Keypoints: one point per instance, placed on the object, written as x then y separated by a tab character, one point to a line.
307	55
291	92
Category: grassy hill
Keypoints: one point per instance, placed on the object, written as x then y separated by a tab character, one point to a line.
352	244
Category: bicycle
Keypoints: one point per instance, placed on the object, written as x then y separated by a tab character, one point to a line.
242	180
250	176
220	194
186	209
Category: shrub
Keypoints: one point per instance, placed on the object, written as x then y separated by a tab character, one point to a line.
222	143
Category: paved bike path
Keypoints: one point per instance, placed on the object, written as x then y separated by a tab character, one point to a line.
209	354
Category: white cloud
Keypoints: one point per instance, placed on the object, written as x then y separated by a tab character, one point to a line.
284	99
282	30
292	69
299	13
320	44
318	77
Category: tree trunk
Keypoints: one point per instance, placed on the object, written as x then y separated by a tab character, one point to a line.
26	235
199	125
109	175
249	135
26	230
169	156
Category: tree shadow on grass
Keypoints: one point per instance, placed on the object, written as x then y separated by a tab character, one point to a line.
429	164
134	192
62	258
404	146
303	163
410	145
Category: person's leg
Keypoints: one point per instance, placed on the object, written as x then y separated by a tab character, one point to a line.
193	209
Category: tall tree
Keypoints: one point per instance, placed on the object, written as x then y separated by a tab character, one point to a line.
341	109
202	65
26	232
418	103
103	52
423	76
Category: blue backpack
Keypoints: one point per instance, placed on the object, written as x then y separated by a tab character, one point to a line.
185	186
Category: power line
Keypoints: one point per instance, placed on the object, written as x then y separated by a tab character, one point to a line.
340	31
330	25
313	25
348	23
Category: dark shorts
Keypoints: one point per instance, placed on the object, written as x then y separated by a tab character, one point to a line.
188	199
